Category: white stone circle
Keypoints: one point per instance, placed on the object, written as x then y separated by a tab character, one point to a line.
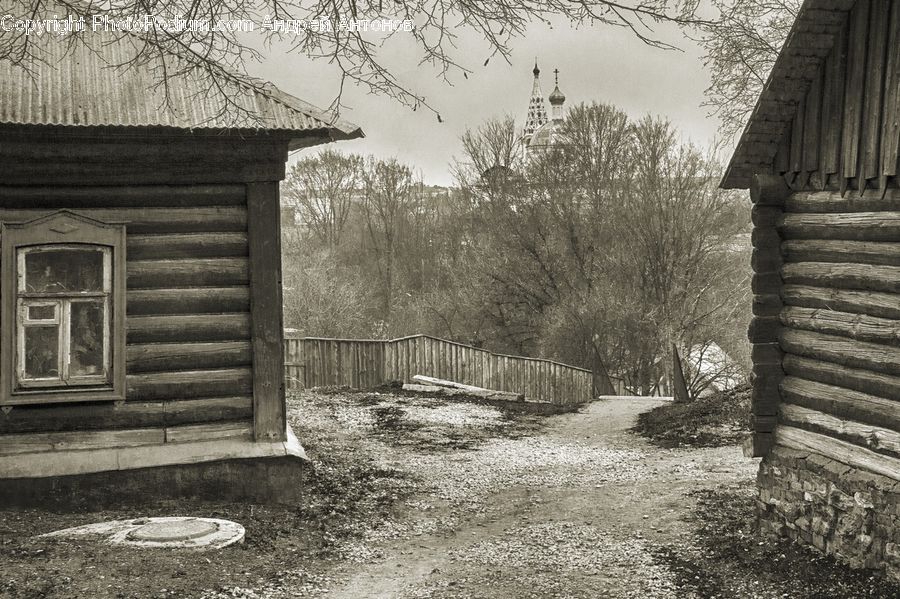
178	532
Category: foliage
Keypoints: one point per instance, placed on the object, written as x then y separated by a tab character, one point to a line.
602	251
322	297
394	269
387	205
322	189
609	247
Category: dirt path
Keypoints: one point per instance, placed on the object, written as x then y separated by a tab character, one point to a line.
574	512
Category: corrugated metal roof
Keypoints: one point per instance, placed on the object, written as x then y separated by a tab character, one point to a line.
809	42
92	83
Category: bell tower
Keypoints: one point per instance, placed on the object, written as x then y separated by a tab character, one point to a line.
537	110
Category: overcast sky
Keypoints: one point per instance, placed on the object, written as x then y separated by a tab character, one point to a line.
599	63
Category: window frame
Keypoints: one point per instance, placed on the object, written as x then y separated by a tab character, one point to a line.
62	302
60	229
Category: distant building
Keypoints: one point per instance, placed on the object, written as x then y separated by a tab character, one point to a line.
540	132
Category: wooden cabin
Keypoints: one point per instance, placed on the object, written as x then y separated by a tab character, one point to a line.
820	156
140	274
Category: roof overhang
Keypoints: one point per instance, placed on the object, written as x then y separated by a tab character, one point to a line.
104	81
811	38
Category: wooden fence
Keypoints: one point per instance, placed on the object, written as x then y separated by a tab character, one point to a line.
362	363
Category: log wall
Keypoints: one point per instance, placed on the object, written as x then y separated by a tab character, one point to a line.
826	333
203	304
826	396
840	322
188	348
314	362
826	330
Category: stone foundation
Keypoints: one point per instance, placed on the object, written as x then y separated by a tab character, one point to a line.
842	511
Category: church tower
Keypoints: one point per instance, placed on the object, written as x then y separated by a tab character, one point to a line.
537	110
541	133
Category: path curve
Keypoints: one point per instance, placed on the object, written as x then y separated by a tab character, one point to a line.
582	522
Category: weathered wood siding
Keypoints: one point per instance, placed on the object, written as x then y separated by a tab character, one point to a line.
840	326
188	344
826	331
826	260
313	362
846	134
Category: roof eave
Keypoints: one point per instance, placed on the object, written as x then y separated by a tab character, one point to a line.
339	129
323	136
736	176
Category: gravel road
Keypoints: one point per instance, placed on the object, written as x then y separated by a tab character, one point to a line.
573	511
412	496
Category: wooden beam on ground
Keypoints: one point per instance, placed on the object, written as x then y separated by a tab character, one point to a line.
433	385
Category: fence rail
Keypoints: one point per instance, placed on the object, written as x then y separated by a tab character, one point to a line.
361	363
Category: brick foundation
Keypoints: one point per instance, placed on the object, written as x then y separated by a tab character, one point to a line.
842	511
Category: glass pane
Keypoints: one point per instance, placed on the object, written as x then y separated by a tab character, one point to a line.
86	338
64	270
41	352
42	312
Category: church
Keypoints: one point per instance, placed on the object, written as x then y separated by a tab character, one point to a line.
541	132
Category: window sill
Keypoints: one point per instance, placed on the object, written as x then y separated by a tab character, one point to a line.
43	396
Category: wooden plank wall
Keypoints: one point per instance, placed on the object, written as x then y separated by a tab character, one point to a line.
846	134
188	304
314	362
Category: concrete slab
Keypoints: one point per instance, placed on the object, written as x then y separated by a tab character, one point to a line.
176	532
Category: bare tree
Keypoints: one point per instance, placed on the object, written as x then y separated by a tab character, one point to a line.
741	46
322	188
389	196
330	30
678	230
495	144
322	298
616	246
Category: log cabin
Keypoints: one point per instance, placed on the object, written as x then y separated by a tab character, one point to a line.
820	157
140	275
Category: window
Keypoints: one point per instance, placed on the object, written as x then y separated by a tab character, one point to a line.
63	296
63	315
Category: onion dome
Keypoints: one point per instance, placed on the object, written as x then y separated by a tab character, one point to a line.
557	97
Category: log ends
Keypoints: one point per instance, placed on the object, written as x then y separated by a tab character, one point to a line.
769	194
769	190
